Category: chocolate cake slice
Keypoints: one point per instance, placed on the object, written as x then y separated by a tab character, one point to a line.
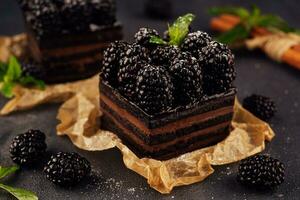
166	98
171	133
68	38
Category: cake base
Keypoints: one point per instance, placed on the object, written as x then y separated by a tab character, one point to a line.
168	134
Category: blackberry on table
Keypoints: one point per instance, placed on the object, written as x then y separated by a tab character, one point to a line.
261	171
143	36
28	148
154	90
33	69
218	68
110	63
195	41
261	106
163	55
187	78
67	169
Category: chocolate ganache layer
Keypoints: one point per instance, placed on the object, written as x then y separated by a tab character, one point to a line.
171	133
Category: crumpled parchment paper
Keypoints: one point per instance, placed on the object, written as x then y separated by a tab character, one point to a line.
79	120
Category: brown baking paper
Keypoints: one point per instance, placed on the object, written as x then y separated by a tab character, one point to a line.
79	120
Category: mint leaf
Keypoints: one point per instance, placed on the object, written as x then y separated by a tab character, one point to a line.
30	80
5	171
3	69
14	70
238	11
157	40
7	89
20	194
179	29
237	33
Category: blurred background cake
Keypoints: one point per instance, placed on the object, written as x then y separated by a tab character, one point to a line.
67	37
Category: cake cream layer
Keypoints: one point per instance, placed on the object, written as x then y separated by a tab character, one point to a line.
212	103
165	151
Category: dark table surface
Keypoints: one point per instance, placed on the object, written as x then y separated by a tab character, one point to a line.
110	178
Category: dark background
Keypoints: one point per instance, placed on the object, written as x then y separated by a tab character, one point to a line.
110	179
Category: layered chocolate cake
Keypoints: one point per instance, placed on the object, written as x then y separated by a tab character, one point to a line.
68	37
164	98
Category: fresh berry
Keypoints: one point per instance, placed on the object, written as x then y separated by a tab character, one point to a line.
195	41
134	53
187	76
67	169
127	77
33	69
154	90
218	68
261	106
28	148
261	171
110	63
143	36
163	55
75	17
160	9
102	12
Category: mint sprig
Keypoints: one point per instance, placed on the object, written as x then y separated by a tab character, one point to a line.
19	193
11	74
249	19
177	31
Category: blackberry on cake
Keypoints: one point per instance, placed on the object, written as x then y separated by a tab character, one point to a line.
67	169
163	55
143	36
261	106
195	41
218	68
28	148
261	171
111	59
154	89
102	11
127	77
187	78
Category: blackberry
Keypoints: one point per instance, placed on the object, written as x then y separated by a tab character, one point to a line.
110	63
154	90
33	69
218	68
143	36
261	106
133	54
163	55
187	78
102	12
127	79
261	171
27	148
67	169
160	9
75	17
195	41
